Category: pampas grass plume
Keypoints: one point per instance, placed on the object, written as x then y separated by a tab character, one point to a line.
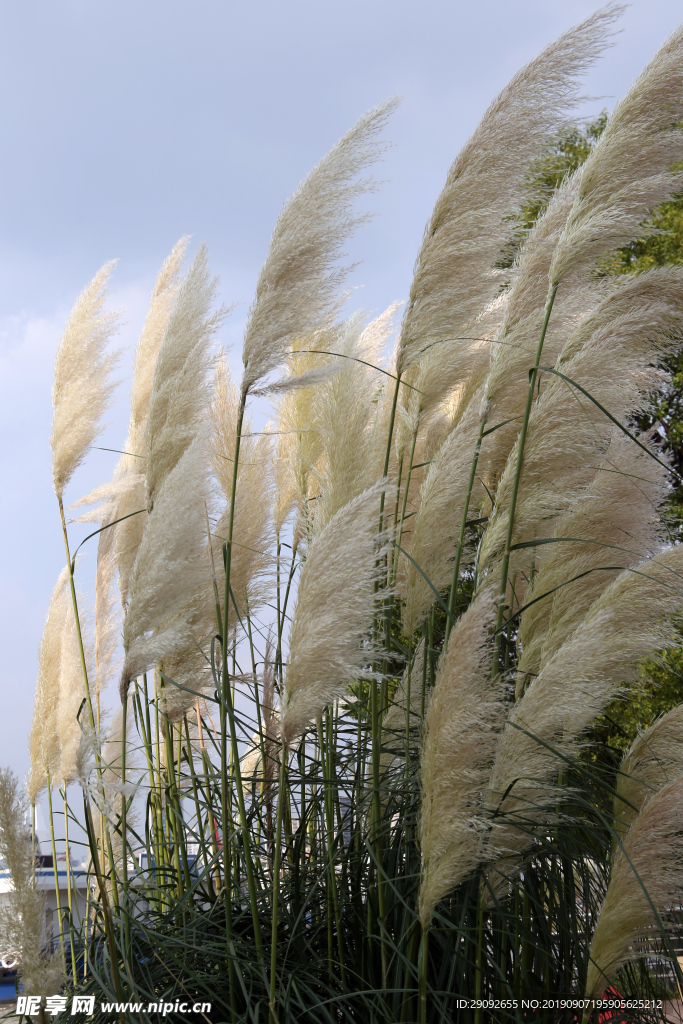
71	695
653	848
460	736
621	506
344	407
613	355
654	758
129	473
629	172
454	272
171	567
22	910
629	620
82	388
298	289
252	542
44	736
180	394
150	340
336	600
437	521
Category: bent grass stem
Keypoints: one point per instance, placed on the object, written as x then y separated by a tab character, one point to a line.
533	375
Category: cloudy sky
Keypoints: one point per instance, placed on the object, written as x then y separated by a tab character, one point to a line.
125	124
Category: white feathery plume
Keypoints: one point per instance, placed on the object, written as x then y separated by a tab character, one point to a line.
253	763
437	521
628	621
455	275
298	289
286	497
328	641
180	395
343	409
620	507
149	343
82	388
444	419
611	356
128	534
171	566
113	789
501	400
107	612
513	349
654	758
71	696
646	880
44	737
378	427
189	667
125	493
129	473
628	174
251	562
445	372
22	909
104	499
461	732
299	441
15	837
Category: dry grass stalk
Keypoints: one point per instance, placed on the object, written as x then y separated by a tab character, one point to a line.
328	641
82	388
22	910
652	848
298	289
113	789
253	764
455	276
459	744
394	720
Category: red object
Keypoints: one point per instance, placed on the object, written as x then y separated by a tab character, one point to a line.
607	1016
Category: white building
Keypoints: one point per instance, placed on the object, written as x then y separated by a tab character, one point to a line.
45	882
